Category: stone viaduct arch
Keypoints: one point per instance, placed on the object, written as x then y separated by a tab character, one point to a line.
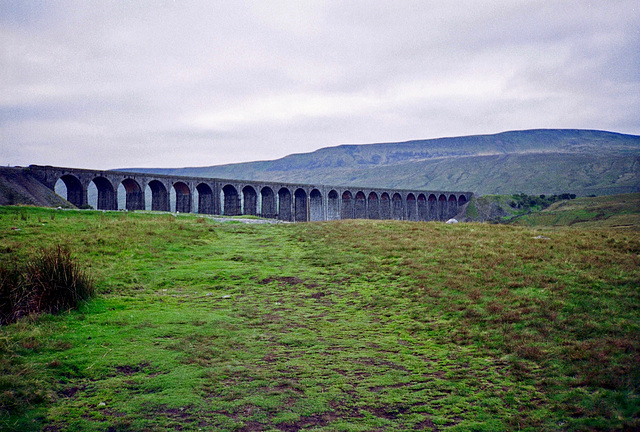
205	198
284	204
347	206
300	206
284	201
385	206
249	201
316	207
269	208
333	205
373	206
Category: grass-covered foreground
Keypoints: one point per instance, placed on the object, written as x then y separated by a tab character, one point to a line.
338	326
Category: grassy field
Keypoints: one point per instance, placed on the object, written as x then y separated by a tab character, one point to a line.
337	326
616	212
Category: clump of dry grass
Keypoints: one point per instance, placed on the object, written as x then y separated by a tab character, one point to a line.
50	282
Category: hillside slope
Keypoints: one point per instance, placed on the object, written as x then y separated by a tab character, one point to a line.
584	162
617	211
18	187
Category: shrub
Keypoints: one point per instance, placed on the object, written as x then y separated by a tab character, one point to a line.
57	280
50	282
11	293
527	202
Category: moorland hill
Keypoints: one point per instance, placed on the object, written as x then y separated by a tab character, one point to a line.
583	162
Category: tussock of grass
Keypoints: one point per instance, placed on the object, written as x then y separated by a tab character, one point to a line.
50	282
346	325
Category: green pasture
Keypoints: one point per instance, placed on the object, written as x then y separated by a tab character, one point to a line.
337	326
609	212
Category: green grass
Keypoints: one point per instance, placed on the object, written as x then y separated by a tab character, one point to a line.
336	326
616	211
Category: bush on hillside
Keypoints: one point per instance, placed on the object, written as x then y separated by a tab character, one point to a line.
51	282
526	202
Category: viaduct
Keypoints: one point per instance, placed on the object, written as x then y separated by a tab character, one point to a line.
285	201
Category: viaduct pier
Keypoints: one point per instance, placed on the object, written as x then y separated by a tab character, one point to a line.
284	201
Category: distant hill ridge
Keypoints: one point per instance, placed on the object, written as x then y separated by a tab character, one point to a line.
537	161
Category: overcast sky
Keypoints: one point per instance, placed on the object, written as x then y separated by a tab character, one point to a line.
113	84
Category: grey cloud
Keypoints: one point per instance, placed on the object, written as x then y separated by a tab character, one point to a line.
180	83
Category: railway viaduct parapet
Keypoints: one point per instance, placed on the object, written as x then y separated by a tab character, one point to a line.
285	201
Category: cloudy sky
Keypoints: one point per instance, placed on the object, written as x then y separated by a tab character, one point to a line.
172	83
